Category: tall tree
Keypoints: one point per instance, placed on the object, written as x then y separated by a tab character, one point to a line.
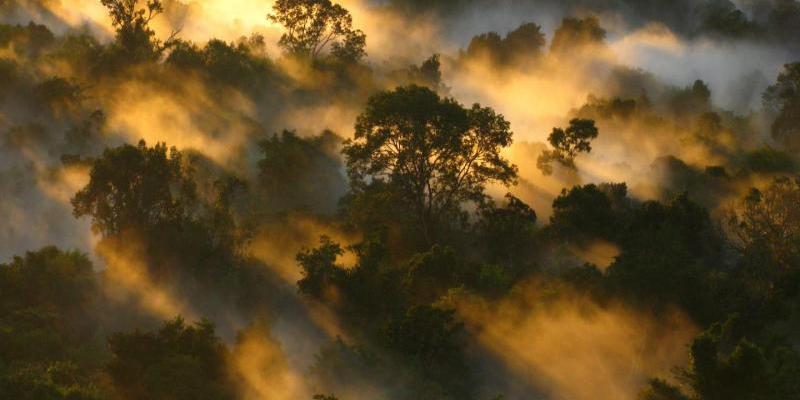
577	33
567	144
313	25
784	98
179	361
767	226
136	186
437	153
134	36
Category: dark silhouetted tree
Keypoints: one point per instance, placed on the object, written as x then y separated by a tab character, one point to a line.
319	267
314	25
507	231
136	186
784	99
428	73
434	151
48	318
524	43
300	172
766	229
179	361
567	144
135	39
726	365
577	33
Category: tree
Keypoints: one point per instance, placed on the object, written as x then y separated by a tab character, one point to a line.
428	73
576	33
313	25
521	44
319	268
300	172
179	361
134	36
435	152
241	64
430	340
767	227
691	100
507	232
724	19
525	41
48	322
567	144
136	186
487	45
726	365
583	211
659	389
49	279
784	99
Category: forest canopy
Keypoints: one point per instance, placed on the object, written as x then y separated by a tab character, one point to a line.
397	200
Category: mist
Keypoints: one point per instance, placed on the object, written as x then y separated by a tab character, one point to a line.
420	200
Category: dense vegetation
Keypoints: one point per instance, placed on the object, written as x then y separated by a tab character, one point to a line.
414	213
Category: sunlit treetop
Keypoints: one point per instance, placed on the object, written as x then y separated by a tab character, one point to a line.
315	28
436	152
134	36
568	143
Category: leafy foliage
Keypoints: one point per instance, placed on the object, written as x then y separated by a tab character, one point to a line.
523	43
434	151
784	98
135	39
567	144
576	33
313	25
179	361
136	186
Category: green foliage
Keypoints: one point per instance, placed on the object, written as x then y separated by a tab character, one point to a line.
29	40
426	334
614	109
419	168
665	259
431	340
659	389
586	211
302	172
179	361
427	74
693	100
507	232
319	267
432	273
766	228
567	144
769	160
783	98
722	18
135	39
725	365
313	25
242	65
48	314
436	153
521	44
577	33
136	186
58	93
49	279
